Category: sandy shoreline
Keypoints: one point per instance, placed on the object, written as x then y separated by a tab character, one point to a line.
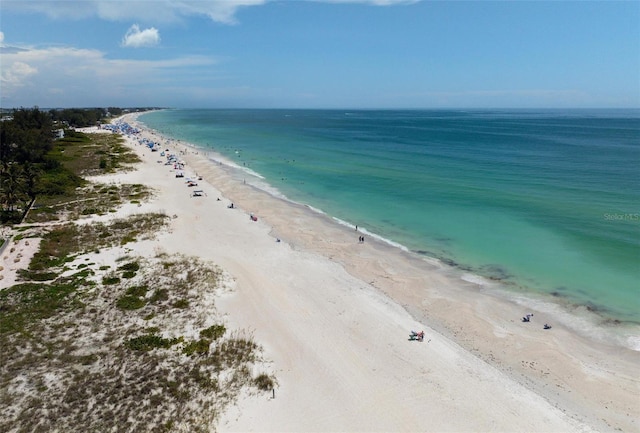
334	315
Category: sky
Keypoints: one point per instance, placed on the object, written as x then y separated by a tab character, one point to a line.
320	54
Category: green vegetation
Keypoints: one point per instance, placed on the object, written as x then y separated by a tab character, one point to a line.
133	298
130	269
150	341
92	154
131	266
110	280
23	305
24	144
147	374
181	303
81	117
199	347
159	295
213	332
63	325
117	338
35	166
264	382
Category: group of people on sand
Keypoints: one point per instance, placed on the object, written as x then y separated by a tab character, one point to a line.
528	317
416	336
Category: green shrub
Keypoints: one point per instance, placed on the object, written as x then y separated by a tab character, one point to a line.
264	382
159	296
128	302
148	342
25	304
181	303
110	280
83	273
131	266
137	290
36	275
199	347
128	274
213	332
55	248
133	299
129	238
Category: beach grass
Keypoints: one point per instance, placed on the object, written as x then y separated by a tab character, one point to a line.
64	193
68	328
89	199
93	154
133	345
155	374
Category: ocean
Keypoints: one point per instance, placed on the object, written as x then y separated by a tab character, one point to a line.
547	202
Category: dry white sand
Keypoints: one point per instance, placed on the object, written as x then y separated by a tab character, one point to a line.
334	316
16	255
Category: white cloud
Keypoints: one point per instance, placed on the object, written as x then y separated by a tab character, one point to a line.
218	10
141	10
141	38
16	74
223	11
1	38
66	76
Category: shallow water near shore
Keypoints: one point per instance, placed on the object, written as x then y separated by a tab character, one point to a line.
545	202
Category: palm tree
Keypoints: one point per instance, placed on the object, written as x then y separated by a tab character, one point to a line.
12	186
30	174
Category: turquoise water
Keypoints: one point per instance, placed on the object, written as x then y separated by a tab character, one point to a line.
546	201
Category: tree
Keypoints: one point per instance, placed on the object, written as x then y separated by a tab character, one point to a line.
7	140
30	134
30	174
12	186
25	141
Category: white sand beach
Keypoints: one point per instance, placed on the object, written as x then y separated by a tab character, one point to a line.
334	316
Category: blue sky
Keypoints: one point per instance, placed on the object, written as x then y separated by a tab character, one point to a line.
320	54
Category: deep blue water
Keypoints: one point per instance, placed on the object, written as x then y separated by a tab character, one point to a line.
547	201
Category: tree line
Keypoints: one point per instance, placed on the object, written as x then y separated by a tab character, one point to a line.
82	117
26	139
